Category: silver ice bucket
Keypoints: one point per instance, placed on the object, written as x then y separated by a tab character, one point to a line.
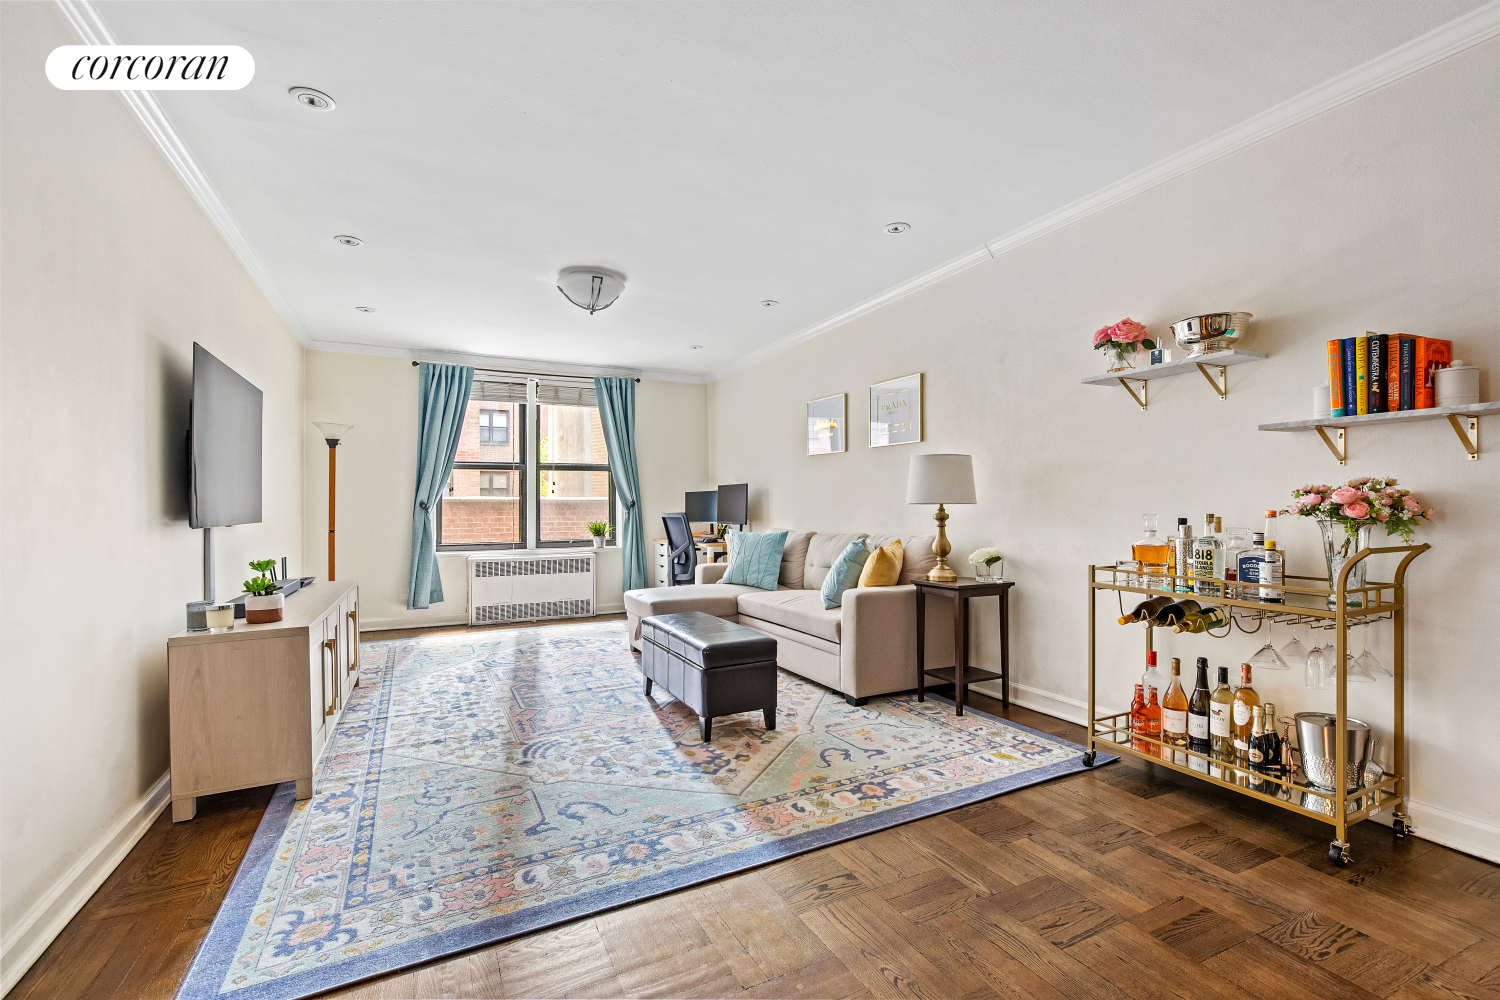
1315	740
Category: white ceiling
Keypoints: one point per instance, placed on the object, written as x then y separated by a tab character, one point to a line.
715	153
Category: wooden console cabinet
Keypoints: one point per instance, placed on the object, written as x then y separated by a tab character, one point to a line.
256	706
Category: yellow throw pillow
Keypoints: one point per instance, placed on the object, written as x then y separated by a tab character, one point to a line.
883	568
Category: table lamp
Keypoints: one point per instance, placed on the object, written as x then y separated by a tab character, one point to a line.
941	479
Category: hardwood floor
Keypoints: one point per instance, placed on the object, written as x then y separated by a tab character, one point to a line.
1127	883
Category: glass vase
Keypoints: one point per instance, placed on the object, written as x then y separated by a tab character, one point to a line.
1339	546
990	572
1121	357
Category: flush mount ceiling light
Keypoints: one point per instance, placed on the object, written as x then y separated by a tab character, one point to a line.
348	241
314	99
897	227
768	303
364	309
591	288
695	347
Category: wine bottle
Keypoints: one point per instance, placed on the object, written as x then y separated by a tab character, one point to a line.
1220	729
1245	700
1174	613
1182	557
1153	722
1138	719
1271	575
1198	707
1174	711
1202	621
1154	555
1145	611
1208	559
1272	743
1152	678
1257	755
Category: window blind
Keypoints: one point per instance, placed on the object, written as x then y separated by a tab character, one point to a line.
566	393
497	390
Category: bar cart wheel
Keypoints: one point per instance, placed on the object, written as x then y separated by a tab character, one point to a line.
1088	758
1400	826
1338	853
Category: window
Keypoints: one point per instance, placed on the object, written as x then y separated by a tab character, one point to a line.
494	427
493	500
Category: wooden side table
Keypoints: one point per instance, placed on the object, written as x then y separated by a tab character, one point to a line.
962	673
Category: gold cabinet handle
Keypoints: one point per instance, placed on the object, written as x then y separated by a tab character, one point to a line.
333	705
354	645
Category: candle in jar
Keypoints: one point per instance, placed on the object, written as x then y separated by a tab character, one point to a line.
220	617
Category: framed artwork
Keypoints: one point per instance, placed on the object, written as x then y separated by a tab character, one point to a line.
827	425
896	411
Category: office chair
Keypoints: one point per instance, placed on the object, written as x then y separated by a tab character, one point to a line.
684	552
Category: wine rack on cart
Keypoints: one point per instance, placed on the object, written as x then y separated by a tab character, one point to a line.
1308	601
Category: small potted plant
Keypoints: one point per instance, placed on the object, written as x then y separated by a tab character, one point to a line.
988	565
265	603
598	529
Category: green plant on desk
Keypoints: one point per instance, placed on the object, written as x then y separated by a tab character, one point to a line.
261	585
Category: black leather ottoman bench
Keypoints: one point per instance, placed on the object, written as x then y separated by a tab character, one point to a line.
712	666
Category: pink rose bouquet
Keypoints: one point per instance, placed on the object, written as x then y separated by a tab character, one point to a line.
1361	501
1123	339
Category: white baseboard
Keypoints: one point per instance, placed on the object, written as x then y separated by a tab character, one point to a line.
44	921
1056	705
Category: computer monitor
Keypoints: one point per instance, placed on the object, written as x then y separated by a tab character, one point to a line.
734	504
701	507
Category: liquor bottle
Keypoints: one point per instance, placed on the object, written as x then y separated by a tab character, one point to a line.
1198	707
1272	742
1270	531
1152	678
1234	547
1201	621
1248	568
1153	722
1145	611
1174	709
1154	555
1220	728
1245	700
1271	575
1182	557
1137	719
1208	559
1175	612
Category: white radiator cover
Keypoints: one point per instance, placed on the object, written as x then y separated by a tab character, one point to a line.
530	586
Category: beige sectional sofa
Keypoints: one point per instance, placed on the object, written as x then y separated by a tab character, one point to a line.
864	648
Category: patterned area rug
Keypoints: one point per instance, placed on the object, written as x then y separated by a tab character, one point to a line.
483	786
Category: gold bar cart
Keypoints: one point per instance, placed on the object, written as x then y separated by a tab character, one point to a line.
1306	604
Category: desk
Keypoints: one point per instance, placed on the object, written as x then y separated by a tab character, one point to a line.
962	673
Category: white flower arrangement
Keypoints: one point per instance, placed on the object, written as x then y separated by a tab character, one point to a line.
985	557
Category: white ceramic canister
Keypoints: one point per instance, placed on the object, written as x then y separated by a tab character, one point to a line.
1322	404
1457	385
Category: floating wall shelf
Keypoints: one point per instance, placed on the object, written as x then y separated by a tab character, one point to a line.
1203	362
1461	417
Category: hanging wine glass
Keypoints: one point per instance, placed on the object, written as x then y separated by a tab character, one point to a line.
1313	676
1372	663
1294	654
1330	661
1356	671
1266	657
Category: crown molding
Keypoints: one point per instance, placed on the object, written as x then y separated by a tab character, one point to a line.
89	25
1477	26
528	365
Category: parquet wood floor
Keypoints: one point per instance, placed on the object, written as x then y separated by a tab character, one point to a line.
1129	883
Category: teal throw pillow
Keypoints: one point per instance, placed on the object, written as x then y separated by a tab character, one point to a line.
845	573
754	559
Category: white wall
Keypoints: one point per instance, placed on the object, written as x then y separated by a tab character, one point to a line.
377	476
1379	215
110	272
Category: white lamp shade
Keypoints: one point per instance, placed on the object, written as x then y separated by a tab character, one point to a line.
332	432
941	479
590	288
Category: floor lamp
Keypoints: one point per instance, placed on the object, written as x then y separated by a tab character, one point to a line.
331	433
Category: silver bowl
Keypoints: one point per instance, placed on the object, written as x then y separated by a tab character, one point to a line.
1210	332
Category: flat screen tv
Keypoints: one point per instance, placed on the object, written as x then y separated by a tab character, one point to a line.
734	504
224	427
702	507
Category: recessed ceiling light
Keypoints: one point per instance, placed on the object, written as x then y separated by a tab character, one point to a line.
695	347
314	99
364	309
768	303
349	241
897	227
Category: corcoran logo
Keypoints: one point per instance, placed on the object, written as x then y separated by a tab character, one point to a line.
150	67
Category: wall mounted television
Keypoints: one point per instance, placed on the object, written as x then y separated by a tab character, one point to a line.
224	441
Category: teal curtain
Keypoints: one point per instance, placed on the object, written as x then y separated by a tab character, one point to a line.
442	399
617	414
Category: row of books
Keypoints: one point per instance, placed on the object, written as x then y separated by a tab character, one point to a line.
1378	373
